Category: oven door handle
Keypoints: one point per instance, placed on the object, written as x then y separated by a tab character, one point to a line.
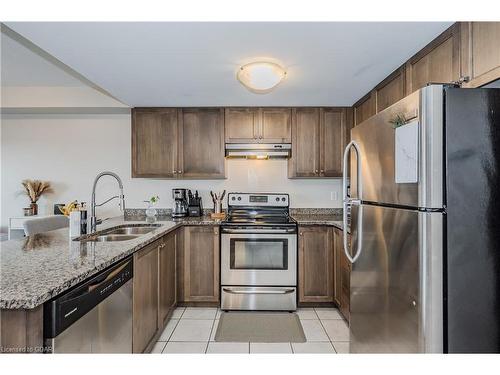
249	291
259	231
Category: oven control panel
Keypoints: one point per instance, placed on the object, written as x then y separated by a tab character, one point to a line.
258	199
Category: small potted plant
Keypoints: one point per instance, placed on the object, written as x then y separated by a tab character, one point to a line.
150	210
34	189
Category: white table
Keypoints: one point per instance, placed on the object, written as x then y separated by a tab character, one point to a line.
16	223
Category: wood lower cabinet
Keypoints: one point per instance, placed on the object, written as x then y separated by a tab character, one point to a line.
480	52
342	288
316	264
200	263
154	142
145	296
167	289
21	331
201	143
319	136
258	125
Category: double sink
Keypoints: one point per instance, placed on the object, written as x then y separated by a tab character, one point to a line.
119	233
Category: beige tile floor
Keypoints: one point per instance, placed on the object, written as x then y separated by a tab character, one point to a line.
192	330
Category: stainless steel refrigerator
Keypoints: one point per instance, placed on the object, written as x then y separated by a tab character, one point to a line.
425	224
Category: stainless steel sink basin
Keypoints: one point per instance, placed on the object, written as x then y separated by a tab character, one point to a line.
110	238
132	230
121	233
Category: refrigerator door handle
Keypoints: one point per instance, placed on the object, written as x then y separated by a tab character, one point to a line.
347	201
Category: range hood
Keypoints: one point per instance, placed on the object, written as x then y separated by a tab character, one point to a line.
258	150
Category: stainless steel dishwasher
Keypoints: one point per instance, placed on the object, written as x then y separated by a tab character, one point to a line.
93	317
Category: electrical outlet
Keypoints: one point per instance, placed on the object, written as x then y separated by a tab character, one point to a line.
334	195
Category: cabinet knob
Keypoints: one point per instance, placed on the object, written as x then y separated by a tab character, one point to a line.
301	234
180	172
260	137
317	171
322	171
174	171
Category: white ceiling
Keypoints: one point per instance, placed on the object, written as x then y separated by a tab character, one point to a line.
22	67
194	64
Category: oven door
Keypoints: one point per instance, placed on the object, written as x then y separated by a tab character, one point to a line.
258	257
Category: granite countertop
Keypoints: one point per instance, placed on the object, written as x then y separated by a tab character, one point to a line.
318	216
319	219
39	267
36	268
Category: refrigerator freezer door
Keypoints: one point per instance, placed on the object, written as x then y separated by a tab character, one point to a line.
402	165
473	220
396	283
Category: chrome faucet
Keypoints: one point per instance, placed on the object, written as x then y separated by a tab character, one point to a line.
93	219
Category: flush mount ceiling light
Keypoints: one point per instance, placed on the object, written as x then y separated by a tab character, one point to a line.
261	77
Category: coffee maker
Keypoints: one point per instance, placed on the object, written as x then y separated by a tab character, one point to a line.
180	207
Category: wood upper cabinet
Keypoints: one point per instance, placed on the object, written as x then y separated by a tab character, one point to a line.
201	143
319	136
334	134
200	264
364	108
167	288
304	161
480	52
242	125
145	296
316	264
258	125
178	143
391	89
276	125
438	62
154	142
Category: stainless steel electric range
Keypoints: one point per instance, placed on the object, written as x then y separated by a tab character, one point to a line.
258	253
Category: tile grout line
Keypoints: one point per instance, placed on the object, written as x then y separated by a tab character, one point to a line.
332	341
171	333
164	346
210	335
170	336
327	335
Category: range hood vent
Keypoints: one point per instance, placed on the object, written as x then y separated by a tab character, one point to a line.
258	150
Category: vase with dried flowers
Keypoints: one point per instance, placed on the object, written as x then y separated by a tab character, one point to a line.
34	189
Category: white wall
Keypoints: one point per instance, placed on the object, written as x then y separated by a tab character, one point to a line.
70	150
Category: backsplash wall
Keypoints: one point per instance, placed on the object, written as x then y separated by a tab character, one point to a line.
71	149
